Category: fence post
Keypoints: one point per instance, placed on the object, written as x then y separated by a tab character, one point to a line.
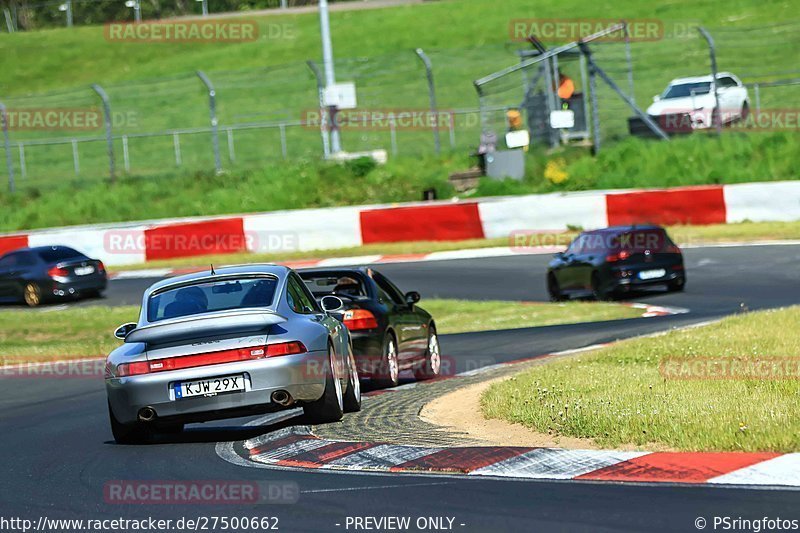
23	167
7	144
326	146
9	20
176	145
432	95
595	70
126	160
712	50
69	13
284	150
629	60
212	109
758	98
595	111
393	133
109	134
231	147
76	163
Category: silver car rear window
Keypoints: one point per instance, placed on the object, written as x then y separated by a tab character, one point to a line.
211	296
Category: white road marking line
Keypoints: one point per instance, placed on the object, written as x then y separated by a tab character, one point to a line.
344	261
375	487
145	273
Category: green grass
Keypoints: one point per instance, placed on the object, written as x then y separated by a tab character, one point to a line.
154	84
459	316
717	233
618	396
52	335
62	334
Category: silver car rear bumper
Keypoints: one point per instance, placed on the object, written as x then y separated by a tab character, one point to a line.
302	376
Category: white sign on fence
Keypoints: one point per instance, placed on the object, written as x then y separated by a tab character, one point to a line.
340	95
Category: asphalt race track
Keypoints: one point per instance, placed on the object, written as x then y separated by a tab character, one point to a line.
58	453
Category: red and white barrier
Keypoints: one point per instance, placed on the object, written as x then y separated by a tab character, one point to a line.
342	227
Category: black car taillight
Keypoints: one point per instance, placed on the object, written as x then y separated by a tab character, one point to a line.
618	256
58	272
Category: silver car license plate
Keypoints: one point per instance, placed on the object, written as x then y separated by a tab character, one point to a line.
208	387
652	274
84	271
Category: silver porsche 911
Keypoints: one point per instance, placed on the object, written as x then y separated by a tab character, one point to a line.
232	342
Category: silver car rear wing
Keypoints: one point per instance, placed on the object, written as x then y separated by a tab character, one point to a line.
206	325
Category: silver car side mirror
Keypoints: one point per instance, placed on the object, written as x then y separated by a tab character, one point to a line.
123	331
331	303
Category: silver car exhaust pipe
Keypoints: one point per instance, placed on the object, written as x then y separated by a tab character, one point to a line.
281	397
147	414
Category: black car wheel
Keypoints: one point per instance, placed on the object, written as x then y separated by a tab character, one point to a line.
330	407
677	285
352	396
553	289
136	433
32	294
389	372
597	289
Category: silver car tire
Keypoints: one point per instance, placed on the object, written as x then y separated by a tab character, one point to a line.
330	407
136	433
352	396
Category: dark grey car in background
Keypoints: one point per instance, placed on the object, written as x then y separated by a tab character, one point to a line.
49	273
611	262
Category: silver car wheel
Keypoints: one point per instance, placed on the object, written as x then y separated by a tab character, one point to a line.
354	381
337	383
434	354
391	359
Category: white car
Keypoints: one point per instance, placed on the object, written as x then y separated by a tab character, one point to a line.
695	97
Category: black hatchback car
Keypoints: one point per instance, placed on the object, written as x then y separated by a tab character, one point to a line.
47	273
390	332
610	262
